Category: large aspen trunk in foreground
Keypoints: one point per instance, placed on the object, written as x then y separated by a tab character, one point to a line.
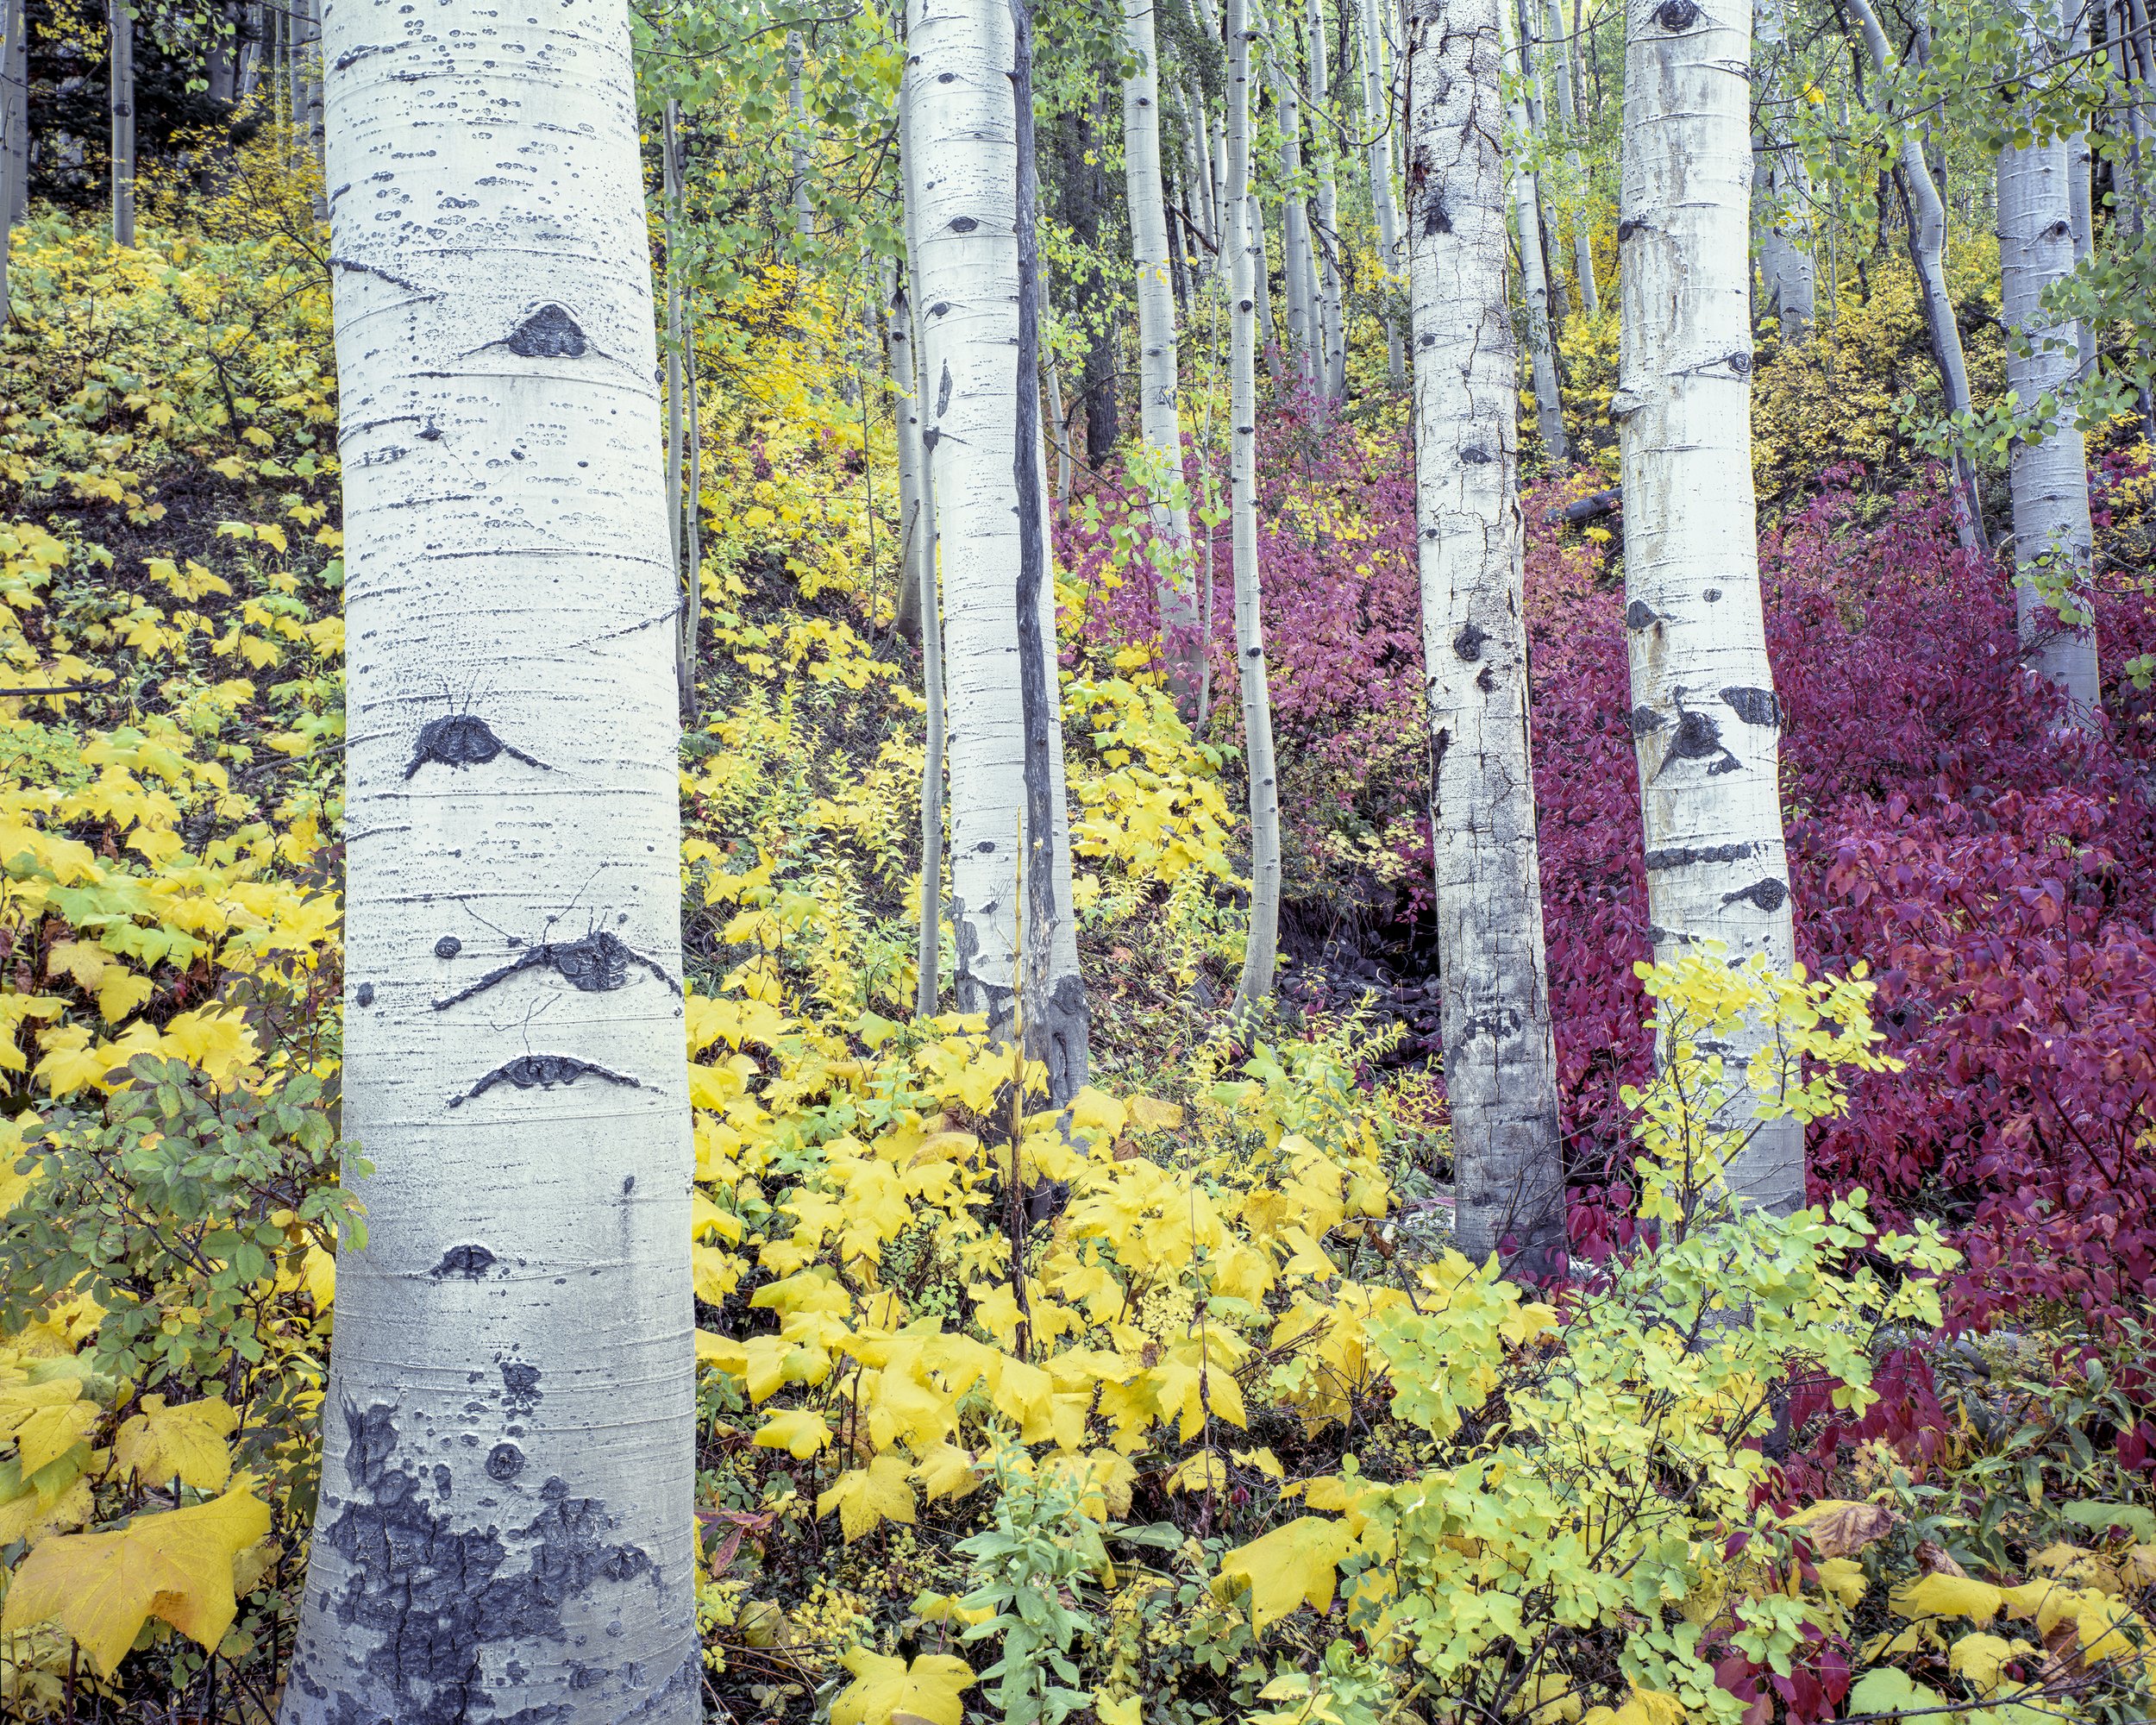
2052	605
1705	722
1261	947
964	178
1160	416
508	1438
1500	1055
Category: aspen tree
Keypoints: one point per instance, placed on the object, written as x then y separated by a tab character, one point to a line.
1784	188
1500	1057
1378	121
120	99
1261	946
1323	130
2048	473
797	197
977	288
1534	287
1299	276
1705	722
505	1524
1563	70
1520	20
1160	415
14	128
1927	252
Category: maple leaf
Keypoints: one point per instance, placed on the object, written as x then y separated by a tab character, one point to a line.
176	1566
948	1471
799	1433
1290	1567
888	1692
47	1434
865	1497
186	1443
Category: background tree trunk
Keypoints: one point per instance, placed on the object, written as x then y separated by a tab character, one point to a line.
1261	947
512	1393
1535	125
1784	187
1377	119
1704	720
1324	132
1175	588
120	24
798	196
964	184
1499	1055
14	132
2053	540
1527	199
1299	276
1563	69
1097	309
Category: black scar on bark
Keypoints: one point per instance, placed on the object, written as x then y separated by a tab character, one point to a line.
963	224
1436	218
943	391
471	1262
504	1463
1676	14
1769	895
1627	227
364	994
461	740
1644	721
1476	456
1740	363
595	964
1681	856
1468	643
1698	738
549	334
1487	680
436	1597
447	947
1754	707
1640	615
520	1386
542	1072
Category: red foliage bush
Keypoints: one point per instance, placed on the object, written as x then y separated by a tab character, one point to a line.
1995	870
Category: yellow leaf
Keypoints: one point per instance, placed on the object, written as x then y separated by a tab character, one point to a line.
865	1497
1204	1471
1845	1578
1948	1596
50	1433
886	1691
1979	1657
947	1471
800	1433
30	1519
177	1566
1150	1114
186	1443
1263	1459
1128	1711
1290	1567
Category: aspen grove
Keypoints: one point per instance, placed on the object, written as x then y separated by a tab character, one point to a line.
1389	768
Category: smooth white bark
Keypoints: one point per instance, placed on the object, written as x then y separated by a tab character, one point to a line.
2049	479
1160	418
1261	946
1705	721
798	197
1499	1055
508	1436
1298	270
120	100
1377	120
1534	287
963	178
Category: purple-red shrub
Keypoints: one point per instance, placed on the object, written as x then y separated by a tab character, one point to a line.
1997	871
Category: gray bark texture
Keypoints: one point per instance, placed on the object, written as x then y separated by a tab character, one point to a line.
1378	121
1705	722
1500	1055
1782	186
120	75
505	1524
1562	74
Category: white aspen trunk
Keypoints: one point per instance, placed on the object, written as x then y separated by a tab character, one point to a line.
1261	946
1927	252
1276	359
120	25
1536	126
310	79
1332	318
1174	586
220	53
1705	721
1215	146
1300	277
2049	479
248	75
680	517
1377	119
14	128
797	141
1534	286
1197	168
1786	256
1499	1055
504	1525
1563	72
2080	164
964	179
294	62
